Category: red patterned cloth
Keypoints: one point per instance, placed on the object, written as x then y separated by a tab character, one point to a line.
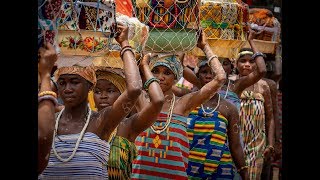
124	7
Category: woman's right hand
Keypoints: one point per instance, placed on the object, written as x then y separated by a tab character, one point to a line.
122	35
252	33
48	57
145	60
202	41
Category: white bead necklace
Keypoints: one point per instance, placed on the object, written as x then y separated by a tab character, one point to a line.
78	141
213	109
173	100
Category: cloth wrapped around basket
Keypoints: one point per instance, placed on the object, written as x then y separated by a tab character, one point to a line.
263	19
47	21
85	27
222	19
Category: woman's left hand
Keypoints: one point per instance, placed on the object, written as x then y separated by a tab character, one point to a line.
267	154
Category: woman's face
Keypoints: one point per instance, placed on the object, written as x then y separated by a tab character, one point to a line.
166	77
205	74
245	65
73	89
226	64
105	94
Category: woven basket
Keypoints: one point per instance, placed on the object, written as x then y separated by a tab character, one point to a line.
222	48
173	24
222	22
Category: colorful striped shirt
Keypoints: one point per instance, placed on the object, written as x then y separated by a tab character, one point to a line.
210	157
122	153
164	155
89	162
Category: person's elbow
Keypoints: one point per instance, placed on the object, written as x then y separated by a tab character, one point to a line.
134	92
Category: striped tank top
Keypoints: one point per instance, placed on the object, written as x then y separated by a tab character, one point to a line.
89	162
209	157
164	155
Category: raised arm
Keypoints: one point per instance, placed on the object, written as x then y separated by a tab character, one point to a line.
234	141
148	115
123	105
260	70
195	99
46	107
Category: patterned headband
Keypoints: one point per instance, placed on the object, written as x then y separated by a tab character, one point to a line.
169	61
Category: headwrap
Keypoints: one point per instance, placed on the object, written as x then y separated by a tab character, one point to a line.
242	53
86	72
200	63
170	61
115	76
76	64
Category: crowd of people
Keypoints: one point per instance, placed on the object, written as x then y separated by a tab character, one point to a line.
135	123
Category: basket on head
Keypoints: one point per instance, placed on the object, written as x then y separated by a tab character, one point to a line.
269	28
223	21
86	27
174	24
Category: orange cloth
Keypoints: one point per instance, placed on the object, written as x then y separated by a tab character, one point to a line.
124	7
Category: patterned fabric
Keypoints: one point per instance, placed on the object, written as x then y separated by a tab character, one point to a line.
169	61
252	125
87	72
115	76
209	157
89	162
183	83
231	97
122	153
164	155
235	100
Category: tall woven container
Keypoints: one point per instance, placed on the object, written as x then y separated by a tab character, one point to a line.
173	24
262	20
86	27
222	21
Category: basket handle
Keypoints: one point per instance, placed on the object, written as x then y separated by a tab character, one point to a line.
163	25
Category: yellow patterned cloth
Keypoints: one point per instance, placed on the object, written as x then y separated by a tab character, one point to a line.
122	153
86	72
252	123
115	76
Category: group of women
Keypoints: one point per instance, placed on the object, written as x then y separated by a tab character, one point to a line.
142	129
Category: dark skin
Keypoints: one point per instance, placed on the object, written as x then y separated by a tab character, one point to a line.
185	104
249	78
229	111
246	67
274	96
74	89
244	81
131	127
46	108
